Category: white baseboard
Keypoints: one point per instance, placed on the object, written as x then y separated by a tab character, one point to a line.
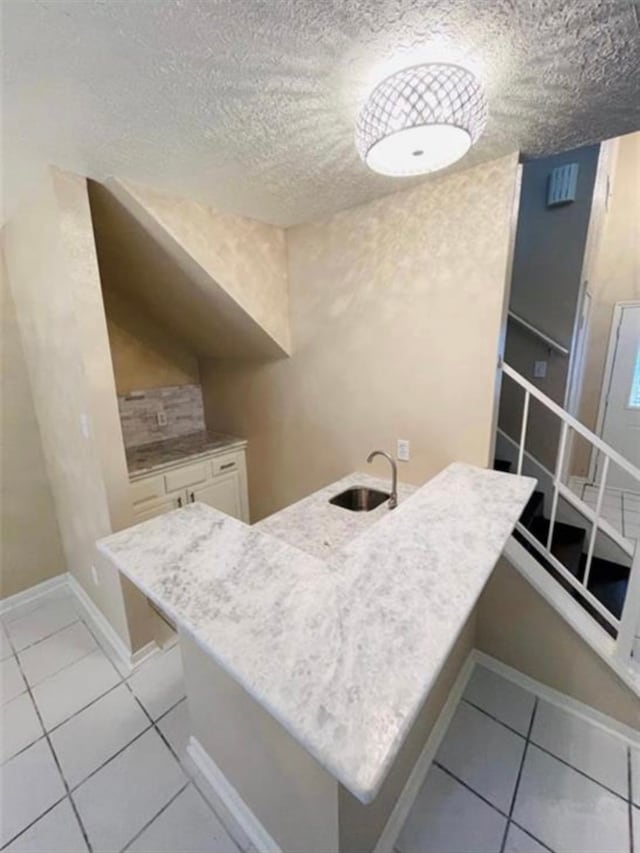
106	633
109	639
561	700
27	596
231	799
410	791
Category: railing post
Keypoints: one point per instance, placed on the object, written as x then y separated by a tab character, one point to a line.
594	526
558	475
630	618
523	430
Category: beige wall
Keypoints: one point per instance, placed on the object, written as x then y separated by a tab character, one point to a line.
396	309
53	274
615	277
145	354
517	626
31	545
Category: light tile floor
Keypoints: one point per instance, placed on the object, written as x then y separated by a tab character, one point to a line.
515	774
620	508
94	761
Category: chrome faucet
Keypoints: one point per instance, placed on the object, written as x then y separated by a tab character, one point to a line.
393	497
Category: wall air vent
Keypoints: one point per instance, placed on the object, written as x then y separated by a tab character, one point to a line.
562	185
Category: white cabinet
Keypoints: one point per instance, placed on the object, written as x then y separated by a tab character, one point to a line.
223	493
219	480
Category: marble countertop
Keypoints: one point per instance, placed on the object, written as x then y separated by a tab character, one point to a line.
320	528
151	457
342	651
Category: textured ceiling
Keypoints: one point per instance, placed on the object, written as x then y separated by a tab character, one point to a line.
250	106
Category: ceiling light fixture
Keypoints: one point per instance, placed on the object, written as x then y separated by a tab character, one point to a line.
421	119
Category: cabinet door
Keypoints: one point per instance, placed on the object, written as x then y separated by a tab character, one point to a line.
223	493
159	507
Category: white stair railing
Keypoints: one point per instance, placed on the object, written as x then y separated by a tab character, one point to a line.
626	626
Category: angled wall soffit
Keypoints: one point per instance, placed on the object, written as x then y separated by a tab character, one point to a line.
216	306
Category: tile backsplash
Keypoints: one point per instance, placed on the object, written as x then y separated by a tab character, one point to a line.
179	405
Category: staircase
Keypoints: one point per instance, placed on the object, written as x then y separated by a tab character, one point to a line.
570	544
608	581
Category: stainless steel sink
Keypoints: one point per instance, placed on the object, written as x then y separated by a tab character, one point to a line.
359	499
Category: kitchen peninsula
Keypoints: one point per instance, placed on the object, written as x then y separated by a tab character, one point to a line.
313	640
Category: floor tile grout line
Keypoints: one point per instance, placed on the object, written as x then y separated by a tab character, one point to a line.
118	752
487	802
493	717
34	821
184	769
46	733
519	776
47	637
169	710
531	835
23	748
122	680
62	668
90	627
84	708
580	772
55	758
98	647
547	751
469	788
160	811
189	776
44	599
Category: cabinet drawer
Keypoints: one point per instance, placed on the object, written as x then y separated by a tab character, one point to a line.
190	475
149	510
150	489
225	464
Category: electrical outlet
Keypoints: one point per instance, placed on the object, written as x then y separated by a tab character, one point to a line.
84	424
94	575
540	369
161	418
403	450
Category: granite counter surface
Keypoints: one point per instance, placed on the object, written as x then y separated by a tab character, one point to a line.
341	651
147	458
320	528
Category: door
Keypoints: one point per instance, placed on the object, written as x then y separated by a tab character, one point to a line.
222	493
621	408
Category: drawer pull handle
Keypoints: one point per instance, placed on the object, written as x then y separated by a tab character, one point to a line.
227	465
193	497
179	502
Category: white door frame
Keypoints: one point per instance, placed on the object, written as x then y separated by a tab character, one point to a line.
575	373
607	159
607	376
